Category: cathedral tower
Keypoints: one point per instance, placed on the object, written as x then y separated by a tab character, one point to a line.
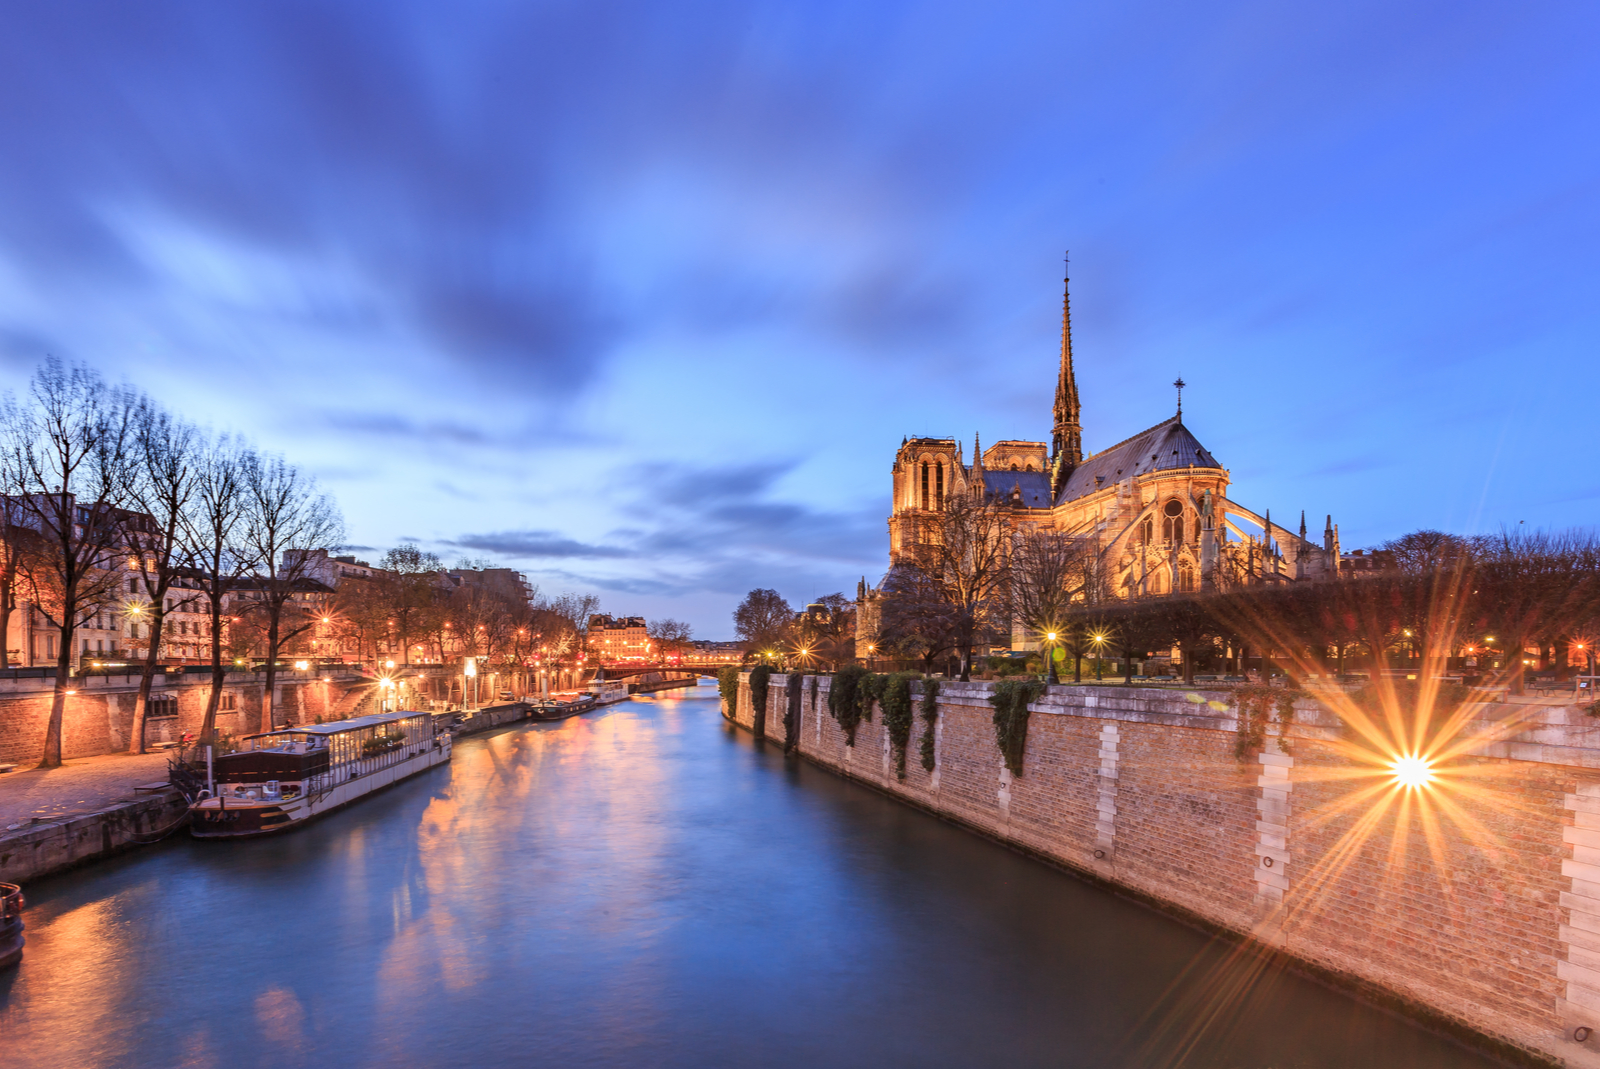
1066	442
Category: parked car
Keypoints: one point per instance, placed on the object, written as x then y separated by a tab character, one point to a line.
505	696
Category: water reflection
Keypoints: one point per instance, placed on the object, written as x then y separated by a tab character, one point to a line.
641	886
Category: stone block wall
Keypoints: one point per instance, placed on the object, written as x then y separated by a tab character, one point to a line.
98	718
1475	902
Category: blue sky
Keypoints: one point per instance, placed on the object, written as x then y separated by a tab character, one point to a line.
640	298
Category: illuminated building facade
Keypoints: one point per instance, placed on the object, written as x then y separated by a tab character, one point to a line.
620	640
1155	505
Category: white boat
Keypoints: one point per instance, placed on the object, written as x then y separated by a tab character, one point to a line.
608	691
282	779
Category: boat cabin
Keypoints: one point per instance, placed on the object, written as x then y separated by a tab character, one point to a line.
314	757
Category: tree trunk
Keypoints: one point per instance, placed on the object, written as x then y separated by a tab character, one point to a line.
208	724
58	696
272	667
1077	667
8	602
1517	653
146	674
1188	664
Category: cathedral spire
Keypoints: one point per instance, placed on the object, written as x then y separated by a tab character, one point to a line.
1066	446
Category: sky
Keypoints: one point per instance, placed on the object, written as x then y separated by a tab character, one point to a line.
640	298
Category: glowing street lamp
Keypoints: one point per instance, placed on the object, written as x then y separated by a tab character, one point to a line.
1050	658
1099	638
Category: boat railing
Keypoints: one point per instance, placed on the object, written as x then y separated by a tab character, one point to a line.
368	763
11	902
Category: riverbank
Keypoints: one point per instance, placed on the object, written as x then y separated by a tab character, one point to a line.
1471	905
646	853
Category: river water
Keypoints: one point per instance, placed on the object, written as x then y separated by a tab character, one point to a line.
643	887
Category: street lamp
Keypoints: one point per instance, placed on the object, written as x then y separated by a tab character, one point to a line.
1050	658
1099	640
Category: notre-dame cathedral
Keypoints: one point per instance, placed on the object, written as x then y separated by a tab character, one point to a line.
1156	504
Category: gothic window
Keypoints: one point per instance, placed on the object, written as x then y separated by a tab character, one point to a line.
938	475
1185	576
1172	526
1147	530
924	484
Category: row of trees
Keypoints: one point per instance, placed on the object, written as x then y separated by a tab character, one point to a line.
822	635
1432	596
112	504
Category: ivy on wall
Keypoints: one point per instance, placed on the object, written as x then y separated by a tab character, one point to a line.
930	713
898	715
1010	699
758	698
1254	705
728	687
791	712
844	702
868	691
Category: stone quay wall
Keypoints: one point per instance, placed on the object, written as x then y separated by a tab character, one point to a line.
1475	905
53	846
99	717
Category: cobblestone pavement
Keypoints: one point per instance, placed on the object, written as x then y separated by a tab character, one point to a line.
79	786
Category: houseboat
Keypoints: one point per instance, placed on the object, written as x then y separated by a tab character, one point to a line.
281	779
559	708
10	924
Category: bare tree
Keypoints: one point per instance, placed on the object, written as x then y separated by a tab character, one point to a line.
916	620
763	619
409	592
972	567
1050	570
161	488
826	631
67	455
213	536
670	635
285	517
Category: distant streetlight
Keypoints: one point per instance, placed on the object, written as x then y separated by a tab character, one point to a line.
1050	658
1099	639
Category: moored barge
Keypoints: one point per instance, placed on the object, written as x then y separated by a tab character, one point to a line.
283	778
11	904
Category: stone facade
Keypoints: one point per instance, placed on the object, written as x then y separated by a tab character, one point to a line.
1155	505
1479	911
99	716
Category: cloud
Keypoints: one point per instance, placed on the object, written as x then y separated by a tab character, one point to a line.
537	545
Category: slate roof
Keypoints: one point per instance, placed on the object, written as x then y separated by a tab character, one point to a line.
1163	447
1035	486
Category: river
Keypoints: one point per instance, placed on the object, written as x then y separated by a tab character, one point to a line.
643	886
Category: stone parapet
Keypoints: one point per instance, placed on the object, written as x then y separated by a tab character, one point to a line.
1472	902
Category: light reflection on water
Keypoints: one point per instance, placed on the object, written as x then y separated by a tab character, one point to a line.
638	887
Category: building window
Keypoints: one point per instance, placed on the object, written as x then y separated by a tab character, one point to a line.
939	484
1172	527
161	706
225	704
924	484
1185	576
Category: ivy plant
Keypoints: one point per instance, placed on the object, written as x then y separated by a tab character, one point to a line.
844	702
930	713
1010	699
898	715
728	687
758	697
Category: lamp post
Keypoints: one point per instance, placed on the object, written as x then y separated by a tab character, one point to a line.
1099	640
1050	658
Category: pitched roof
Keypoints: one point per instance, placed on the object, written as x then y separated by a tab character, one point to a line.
1035	487
1163	447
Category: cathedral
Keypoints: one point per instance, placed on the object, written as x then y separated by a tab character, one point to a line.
1155	504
